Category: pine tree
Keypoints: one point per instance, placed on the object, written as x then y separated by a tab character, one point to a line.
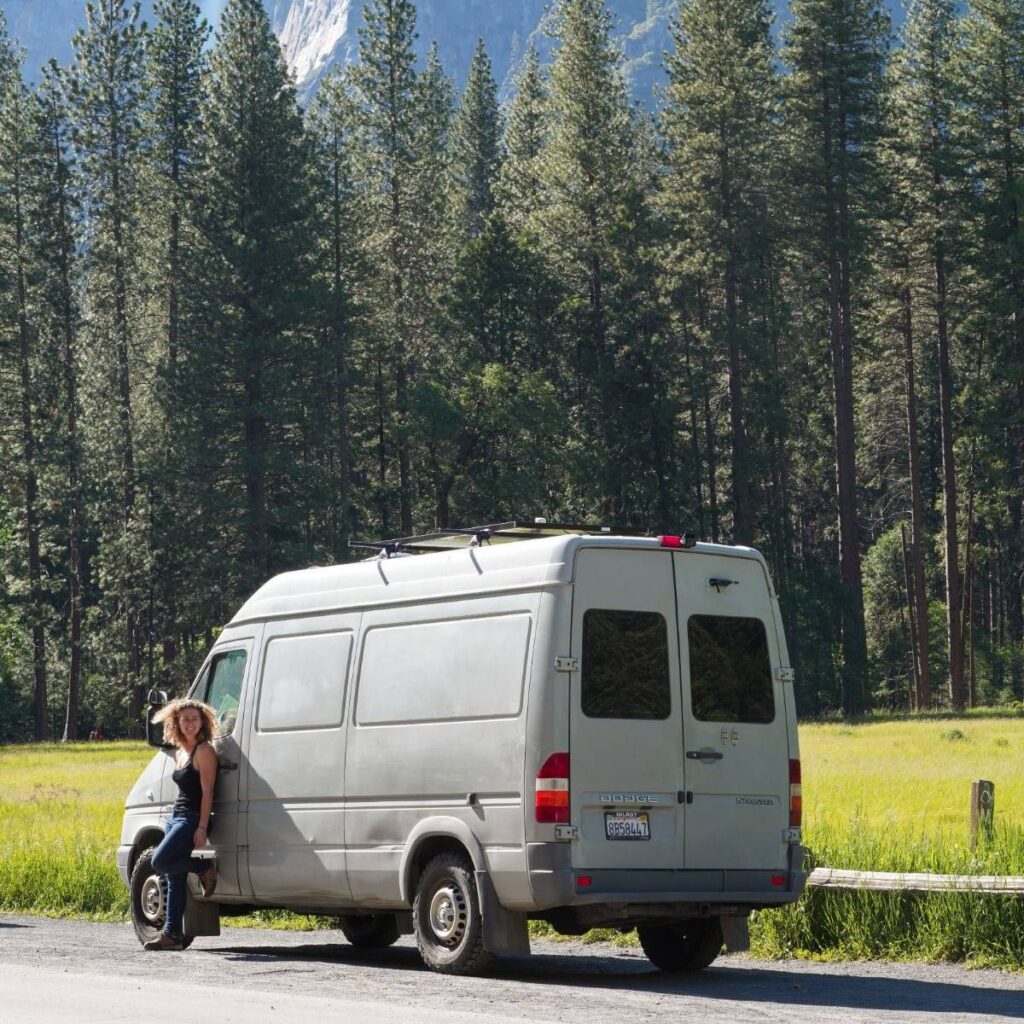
55	260
106	95
586	172
720	109
174	65
519	184
386	82
925	98
836	51
333	122
477	145
16	151
990	75
253	206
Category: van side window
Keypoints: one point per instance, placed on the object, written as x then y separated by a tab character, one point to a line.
304	680
222	688
625	665
730	671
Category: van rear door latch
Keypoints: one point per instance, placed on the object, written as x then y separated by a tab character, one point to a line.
566	832
564	664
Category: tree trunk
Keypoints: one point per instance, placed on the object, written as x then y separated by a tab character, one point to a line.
40	729
920	598
949	512
743	512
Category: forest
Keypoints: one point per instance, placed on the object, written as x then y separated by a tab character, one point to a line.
784	308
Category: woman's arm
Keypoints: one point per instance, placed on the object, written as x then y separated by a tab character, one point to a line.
205	760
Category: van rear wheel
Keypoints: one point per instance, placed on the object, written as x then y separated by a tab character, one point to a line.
446	917
149	900
369	931
685	946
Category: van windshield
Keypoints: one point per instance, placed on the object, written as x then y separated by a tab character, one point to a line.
730	671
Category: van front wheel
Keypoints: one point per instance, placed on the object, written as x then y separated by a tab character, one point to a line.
446	917
686	946
149	900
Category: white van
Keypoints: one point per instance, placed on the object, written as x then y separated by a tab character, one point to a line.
589	730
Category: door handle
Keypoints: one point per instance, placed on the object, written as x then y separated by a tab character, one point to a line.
227	766
704	755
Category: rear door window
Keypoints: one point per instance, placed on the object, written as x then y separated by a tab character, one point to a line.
625	670
730	670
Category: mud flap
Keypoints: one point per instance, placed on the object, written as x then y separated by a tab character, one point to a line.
504	931
201	916
735	933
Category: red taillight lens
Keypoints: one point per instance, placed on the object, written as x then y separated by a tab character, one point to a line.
795	795
551	800
778	880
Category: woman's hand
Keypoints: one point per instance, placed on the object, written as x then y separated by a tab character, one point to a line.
199	839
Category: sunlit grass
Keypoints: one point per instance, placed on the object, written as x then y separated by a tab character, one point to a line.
879	796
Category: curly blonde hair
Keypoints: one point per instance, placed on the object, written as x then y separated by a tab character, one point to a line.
169	716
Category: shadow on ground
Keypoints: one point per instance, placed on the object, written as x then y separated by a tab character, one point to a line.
725	981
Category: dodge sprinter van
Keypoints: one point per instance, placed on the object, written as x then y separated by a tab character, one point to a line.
539	723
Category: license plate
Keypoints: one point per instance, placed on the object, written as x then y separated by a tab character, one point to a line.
627	825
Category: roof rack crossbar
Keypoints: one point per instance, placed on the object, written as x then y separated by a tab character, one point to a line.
483	534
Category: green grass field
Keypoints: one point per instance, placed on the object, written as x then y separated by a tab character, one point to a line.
885	796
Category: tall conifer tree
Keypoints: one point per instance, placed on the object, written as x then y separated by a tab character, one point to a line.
55	259
520	184
931	179
477	145
836	50
106	94
718	119
253	208
16	194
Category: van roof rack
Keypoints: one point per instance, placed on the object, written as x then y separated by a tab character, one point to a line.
473	536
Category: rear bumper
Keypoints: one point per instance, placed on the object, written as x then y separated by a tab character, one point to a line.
555	883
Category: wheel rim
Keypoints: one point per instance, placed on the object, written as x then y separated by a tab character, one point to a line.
152	900
449	914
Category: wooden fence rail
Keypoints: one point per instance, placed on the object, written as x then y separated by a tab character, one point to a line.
890	881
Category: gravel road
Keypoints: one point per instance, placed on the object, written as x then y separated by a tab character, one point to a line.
84	972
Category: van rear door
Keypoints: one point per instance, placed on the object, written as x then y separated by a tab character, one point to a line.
734	715
626	758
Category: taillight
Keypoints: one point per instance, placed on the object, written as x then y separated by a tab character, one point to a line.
795	794
551	801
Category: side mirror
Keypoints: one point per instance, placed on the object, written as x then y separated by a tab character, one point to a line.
155	731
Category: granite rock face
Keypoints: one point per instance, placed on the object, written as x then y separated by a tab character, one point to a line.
319	34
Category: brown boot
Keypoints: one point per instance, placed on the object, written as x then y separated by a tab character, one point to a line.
164	941
208	879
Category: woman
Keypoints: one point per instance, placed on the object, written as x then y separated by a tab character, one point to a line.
189	725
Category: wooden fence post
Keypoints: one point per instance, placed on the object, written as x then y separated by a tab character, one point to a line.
983	810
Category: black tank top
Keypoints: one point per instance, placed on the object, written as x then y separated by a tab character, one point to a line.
190	787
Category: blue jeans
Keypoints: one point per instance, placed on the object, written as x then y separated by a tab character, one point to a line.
173	859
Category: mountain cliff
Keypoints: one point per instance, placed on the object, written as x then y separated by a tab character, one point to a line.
317	34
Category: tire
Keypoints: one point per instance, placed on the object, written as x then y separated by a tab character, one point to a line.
149	900
446	917
682	947
370	931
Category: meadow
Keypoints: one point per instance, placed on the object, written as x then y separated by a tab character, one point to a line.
881	796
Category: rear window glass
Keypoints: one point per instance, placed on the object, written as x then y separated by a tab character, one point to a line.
625	665
730	672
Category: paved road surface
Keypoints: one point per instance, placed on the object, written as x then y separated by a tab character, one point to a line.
77	971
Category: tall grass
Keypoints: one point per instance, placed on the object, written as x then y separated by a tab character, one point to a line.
895	796
887	796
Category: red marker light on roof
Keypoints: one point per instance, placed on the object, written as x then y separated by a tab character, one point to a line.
672	540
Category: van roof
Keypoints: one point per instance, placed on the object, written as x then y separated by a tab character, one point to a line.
469	571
